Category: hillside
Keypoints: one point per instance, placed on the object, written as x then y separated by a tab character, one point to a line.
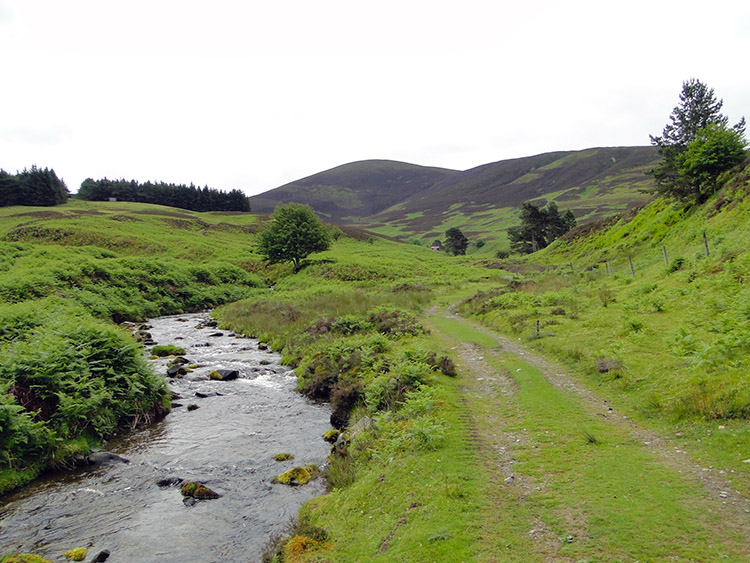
593	183
350	192
404	200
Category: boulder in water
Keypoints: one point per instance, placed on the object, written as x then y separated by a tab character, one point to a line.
176	371
224	374
169	482
105	458
198	491
298	476
102	556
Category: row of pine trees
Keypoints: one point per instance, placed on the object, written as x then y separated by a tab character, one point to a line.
42	187
173	195
35	186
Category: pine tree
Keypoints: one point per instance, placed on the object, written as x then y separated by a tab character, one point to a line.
698	109
455	242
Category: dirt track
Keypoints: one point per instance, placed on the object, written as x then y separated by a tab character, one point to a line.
482	380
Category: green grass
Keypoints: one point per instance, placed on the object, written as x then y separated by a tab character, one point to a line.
667	347
427	507
583	487
679	336
601	491
68	376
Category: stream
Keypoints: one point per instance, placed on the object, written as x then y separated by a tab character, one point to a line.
228	443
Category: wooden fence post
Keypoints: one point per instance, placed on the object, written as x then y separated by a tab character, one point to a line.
632	270
705	243
666	260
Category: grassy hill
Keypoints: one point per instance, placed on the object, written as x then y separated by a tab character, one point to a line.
360	189
407	201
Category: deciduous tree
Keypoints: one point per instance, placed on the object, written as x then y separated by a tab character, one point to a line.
295	232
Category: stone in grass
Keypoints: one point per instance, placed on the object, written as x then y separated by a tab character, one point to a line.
76	554
298	476
224	374
198	491
283	457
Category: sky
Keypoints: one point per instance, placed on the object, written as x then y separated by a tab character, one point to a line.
252	95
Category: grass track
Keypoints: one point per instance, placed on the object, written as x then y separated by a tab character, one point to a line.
573	481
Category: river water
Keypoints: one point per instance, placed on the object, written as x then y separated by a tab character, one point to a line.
228	443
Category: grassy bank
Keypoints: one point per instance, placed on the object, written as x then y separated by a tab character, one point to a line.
351	326
666	340
69	377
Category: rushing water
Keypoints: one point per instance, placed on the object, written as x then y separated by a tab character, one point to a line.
228	443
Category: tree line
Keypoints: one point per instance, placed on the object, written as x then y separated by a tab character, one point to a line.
173	195
34	186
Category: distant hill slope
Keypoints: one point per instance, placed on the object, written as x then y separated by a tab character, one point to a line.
352	191
592	182
406	200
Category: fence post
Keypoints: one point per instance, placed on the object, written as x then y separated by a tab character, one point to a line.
609	268
666	260
632	270
705	243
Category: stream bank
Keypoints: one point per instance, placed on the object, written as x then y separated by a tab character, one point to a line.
224	434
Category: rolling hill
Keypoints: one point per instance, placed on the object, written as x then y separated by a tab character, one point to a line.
405	200
352	191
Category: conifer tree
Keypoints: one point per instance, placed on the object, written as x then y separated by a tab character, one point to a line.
697	112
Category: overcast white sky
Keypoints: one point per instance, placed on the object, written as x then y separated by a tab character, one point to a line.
252	95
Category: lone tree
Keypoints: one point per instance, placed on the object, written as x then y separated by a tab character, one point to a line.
455	242
295	232
539	227
697	145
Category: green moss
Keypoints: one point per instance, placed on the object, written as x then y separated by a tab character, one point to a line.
283	457
215	375
23	558
167	350
76	554
298	476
